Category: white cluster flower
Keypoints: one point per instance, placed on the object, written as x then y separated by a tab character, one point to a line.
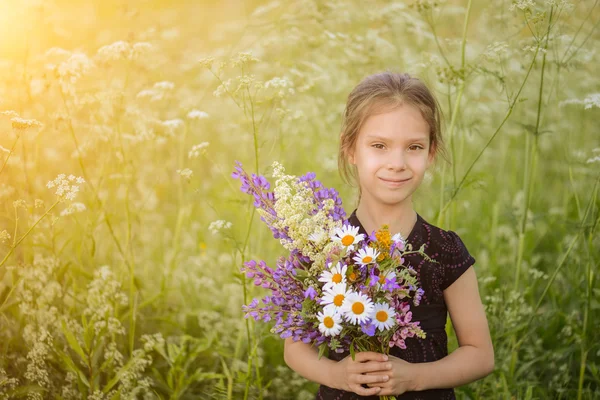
4	236
197	114
495	50
22	123
115	51
7	383
186	173
198	149
164	85
243	58
219	225
36	368
66	187
283	84
564	4
595	159
171	126
223	88
294	205
122	50
591	100
157	92
206	62
72	69
140	48
9	113
73	208
103	298
152	342
521	4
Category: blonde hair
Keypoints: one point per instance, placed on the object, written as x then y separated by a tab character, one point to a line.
387	89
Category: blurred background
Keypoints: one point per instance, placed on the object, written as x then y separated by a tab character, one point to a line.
122	231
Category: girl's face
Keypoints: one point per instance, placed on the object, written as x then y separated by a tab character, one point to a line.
392	153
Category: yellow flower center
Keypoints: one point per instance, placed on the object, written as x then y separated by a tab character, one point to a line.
352	276
336	278
382	279
358	308
367	259
328	322
338	299
347	240
381	316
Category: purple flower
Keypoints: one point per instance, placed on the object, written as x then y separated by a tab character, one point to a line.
310	292
368	328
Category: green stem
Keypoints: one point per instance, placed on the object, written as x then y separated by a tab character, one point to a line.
15	244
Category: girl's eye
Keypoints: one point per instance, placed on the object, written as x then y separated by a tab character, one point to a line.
416	145
377	144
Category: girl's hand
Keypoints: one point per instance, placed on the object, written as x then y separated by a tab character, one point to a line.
401	377
349	375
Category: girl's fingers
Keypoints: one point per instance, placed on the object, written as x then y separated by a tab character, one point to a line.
373	367
371	378
356	388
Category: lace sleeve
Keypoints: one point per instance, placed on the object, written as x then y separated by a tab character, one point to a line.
456	259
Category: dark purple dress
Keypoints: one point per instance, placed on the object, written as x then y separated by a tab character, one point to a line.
447	248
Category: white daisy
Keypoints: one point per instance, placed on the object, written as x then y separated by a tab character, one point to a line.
383	316
329	322
390	274
317	236
334	275
366	256
348	236
357	308
335	296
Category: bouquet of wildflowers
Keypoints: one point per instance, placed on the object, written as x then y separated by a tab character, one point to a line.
337	289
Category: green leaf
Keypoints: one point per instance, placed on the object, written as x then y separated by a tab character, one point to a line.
73	342
323	350
70	365
352	351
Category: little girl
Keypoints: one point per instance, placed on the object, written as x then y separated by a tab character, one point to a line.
391	136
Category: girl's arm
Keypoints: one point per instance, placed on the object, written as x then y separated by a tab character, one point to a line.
345	375
474	359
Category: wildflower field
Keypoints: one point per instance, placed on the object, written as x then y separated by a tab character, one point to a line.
122	231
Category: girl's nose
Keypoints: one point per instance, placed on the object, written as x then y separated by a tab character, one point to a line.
397	160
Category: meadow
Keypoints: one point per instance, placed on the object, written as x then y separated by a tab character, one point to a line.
122	232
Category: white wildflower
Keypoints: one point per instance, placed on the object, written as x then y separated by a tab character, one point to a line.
164	85
66	187
198	149
115	51
298	215
139	49
219	225
73	208
521	4
152	342
593	160
186	173
243	58
22	123
172	125
206	62
4	236
591	100
72	69
197	114
20	203
9	113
